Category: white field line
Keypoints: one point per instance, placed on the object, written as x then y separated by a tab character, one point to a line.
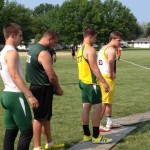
135	64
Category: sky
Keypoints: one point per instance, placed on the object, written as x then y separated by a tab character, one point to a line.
139	8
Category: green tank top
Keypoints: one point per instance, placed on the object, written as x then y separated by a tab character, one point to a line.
35	73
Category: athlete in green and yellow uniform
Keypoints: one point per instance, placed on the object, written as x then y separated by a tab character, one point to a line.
91	96
87	80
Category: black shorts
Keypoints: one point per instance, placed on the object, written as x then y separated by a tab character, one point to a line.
44	95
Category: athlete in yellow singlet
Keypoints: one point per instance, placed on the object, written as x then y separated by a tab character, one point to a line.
91	94
106	64
85	73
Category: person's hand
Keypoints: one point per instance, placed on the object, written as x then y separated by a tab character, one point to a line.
58	91
33	102
106	87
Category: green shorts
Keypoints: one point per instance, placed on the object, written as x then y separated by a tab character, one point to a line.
17	111
90	93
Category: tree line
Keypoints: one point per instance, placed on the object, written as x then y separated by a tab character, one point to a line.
70	18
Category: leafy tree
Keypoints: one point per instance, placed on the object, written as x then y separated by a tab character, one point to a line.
2	4
118	18
106	17
143	27
147	33
74	15
44	17
42	9
38	37
13	12
40	24
1	20
71	17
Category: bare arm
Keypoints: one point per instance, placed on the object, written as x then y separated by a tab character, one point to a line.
45	59
91	56
111	55
12	59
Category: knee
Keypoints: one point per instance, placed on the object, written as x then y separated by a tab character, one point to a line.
27	134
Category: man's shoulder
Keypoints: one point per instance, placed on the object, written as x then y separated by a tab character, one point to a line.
89	48
8	47
110	49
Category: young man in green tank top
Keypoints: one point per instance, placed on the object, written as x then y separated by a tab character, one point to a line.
44	82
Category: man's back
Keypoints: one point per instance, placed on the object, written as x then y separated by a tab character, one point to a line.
8	82
35	73
85	73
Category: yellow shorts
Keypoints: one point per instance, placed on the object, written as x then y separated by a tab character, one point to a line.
107	98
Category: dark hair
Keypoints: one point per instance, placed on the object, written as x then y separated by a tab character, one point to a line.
51	33
89	31
115	35
11	28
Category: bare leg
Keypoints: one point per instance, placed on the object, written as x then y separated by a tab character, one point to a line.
96	115
103	110
108	111
85	113
47	131
37	130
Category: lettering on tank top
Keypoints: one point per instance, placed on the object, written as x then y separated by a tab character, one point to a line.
28	60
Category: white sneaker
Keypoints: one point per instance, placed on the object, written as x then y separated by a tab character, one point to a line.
103	129
113	125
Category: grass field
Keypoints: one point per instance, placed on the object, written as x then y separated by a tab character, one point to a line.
132	96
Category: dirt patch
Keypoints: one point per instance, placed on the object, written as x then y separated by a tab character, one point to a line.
58	53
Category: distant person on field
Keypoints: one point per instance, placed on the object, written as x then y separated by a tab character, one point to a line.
91	94
73	53
43	84
17	111
119	53
107	66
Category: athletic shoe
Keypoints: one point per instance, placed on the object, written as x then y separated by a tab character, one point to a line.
101	140
103	129
113	125
48	147
87	138
40	148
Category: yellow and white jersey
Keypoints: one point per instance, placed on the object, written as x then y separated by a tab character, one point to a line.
103	61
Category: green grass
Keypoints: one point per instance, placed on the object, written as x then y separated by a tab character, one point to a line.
131	97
